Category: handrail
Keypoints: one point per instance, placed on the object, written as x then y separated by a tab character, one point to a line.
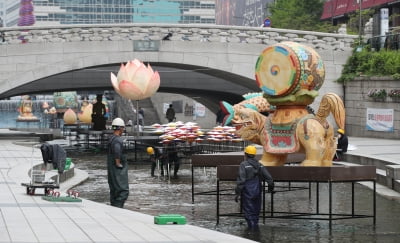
387	42
151	31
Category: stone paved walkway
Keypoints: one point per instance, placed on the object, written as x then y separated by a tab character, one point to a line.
25	218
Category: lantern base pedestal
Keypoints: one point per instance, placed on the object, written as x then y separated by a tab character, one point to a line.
26	123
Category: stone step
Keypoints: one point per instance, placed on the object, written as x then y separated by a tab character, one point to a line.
125	110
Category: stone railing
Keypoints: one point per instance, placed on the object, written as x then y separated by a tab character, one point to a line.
174	32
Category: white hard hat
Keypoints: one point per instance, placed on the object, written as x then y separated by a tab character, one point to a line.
118	122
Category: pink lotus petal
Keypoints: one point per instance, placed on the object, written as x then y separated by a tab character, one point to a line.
142	77
131	69
122	73
137	62
154	84
129	90
150	69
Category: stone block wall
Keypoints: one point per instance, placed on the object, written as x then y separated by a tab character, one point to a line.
357	102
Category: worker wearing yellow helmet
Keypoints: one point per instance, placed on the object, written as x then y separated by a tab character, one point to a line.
156	154
250	150
150	150
152	158
342	144
248	186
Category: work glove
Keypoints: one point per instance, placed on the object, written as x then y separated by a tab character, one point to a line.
271	188
237	198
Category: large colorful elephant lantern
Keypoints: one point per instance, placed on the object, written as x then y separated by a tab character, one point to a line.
289	75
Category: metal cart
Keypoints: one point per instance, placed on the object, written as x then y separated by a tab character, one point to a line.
40	178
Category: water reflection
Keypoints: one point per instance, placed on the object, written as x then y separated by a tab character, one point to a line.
158	195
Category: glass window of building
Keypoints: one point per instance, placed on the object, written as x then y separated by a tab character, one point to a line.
54	12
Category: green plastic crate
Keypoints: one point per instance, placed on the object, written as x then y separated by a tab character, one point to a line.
169	219
68	162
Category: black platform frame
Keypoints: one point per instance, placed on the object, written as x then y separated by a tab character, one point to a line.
232	158
330	175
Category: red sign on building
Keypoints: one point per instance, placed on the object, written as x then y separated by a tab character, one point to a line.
337	8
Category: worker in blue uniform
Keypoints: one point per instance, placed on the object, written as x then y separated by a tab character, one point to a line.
248	186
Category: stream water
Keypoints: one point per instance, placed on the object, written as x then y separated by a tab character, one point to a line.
159	195
9	114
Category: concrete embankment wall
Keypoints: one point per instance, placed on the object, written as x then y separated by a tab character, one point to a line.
357	102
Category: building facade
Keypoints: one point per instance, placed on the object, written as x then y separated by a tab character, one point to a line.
9	12
56	12
173	11
1	14
337	11
241	13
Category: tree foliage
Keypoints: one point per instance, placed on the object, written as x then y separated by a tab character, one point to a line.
299	15
353	24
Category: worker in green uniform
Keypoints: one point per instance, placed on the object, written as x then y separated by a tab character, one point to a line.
117	166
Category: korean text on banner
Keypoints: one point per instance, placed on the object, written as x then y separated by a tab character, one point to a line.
380	120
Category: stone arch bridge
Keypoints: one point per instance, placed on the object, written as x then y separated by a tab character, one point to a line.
208	61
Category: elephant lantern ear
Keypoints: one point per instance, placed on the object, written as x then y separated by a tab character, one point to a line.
227	109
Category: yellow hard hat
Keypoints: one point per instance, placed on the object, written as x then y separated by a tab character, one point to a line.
250	150
341	131
150	150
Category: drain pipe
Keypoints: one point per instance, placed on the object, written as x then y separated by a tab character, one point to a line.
344	93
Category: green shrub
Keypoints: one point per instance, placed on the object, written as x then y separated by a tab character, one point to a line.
377	93
396	76
382	63
394	93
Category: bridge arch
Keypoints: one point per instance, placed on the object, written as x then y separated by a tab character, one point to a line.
225	52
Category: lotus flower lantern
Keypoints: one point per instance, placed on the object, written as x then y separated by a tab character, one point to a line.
70	117
85	115
135	81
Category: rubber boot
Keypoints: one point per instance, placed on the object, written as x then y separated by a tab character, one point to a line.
162	168
153	167
176	168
